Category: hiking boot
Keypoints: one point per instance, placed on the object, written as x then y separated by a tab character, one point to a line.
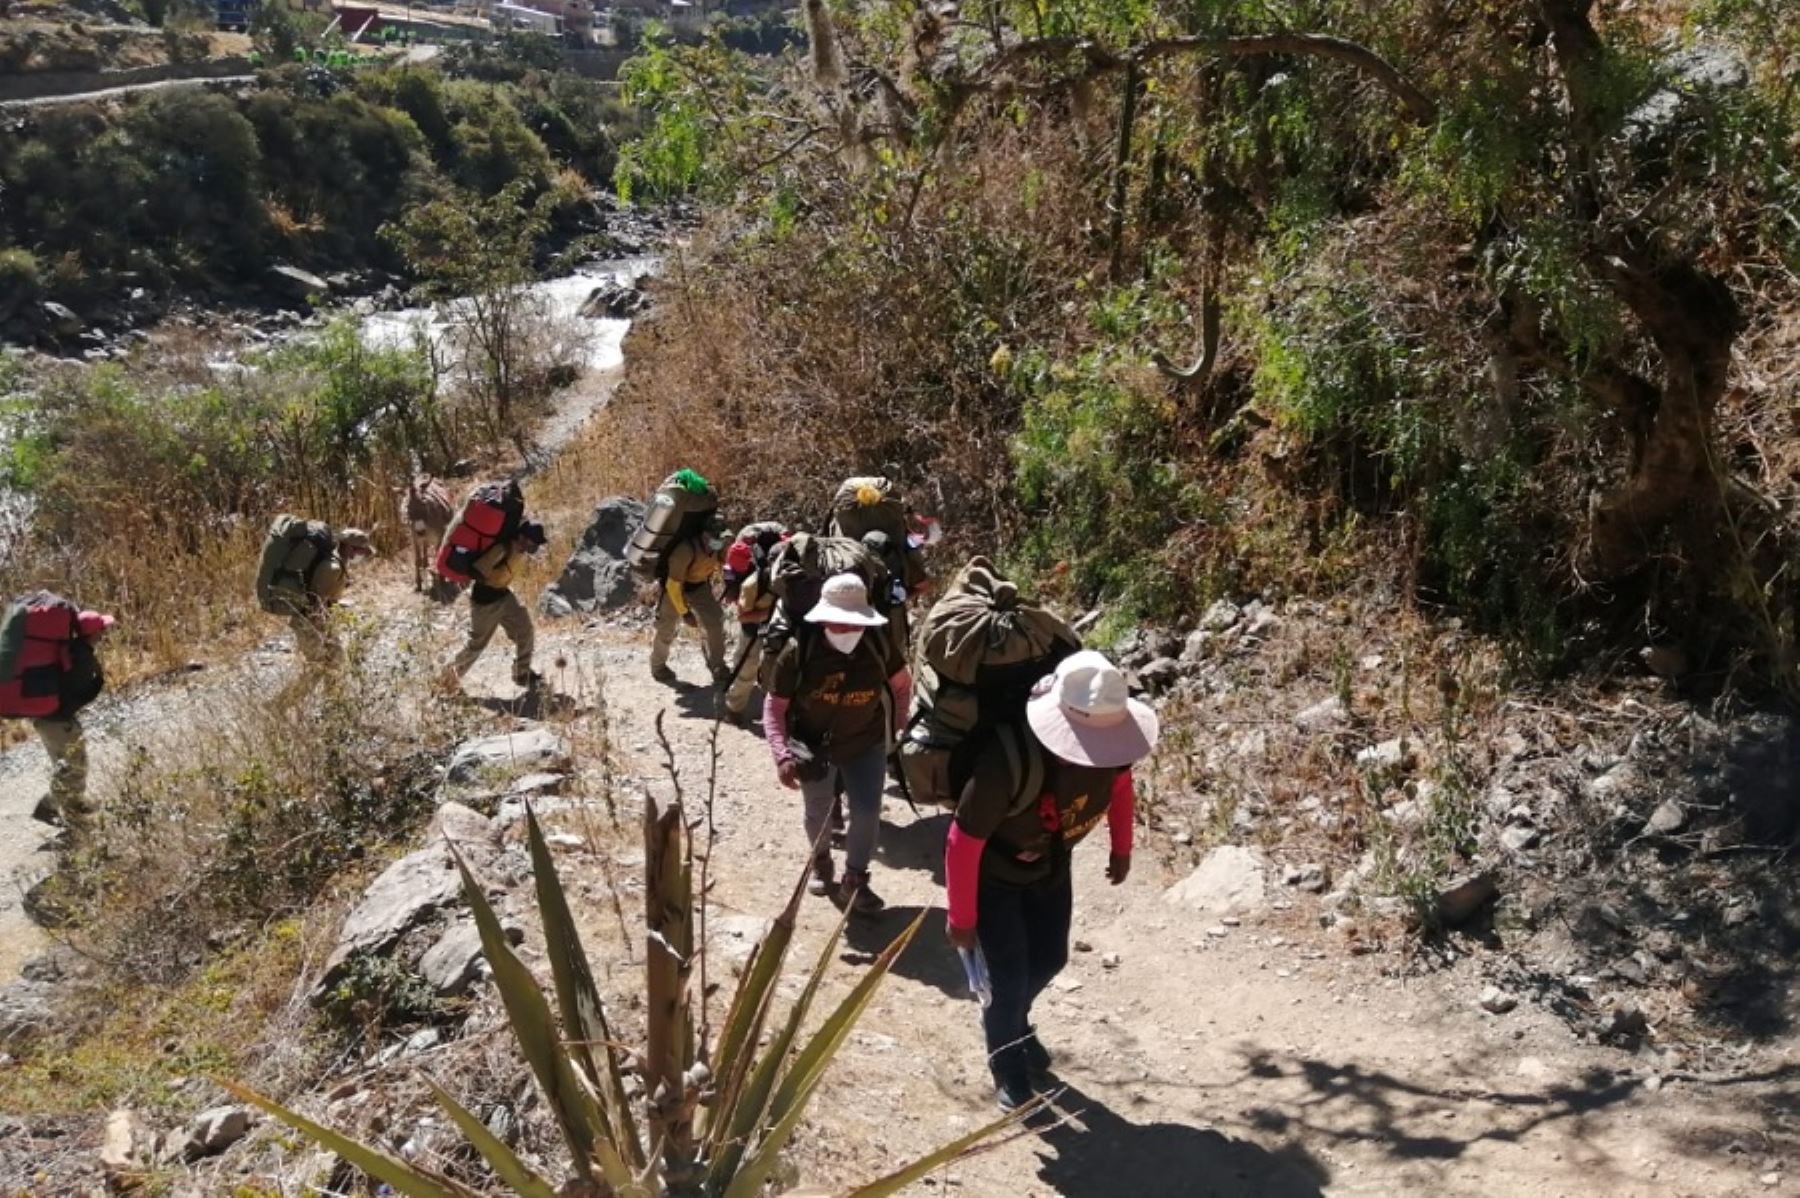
663	674
1012	1089
46	813
824	877
1037	1057
529	679
855	895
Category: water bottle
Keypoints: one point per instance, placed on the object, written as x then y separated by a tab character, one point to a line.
975	969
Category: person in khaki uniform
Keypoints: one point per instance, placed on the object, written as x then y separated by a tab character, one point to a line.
67	804
494	608
325	585
745	587
688	598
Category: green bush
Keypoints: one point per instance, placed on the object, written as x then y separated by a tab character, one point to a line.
19	276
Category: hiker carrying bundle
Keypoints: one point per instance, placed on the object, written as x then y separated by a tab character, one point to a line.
873	504
675	515
982	647
749	588
492	605
49	671
292	552
798	571
490	516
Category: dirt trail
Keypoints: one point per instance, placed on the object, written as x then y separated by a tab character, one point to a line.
1264	1061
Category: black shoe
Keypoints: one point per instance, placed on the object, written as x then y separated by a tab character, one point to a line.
46	813
663	674
1011	1091
854	895
1037	1057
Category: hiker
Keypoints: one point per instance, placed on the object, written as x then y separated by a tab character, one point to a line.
303	573
1006	864
49	671
493	606
838	691
748	590
687	598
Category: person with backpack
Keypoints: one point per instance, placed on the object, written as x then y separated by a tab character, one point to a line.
49	671
1047	781
494	608
305	568
687	598
749	589
837	694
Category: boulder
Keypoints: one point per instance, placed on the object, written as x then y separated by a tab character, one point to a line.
61	321
1666	819
1221	616
1324	716
1229	881
27	1010
295	286
597	577
530	750
1159	675
614	301
400	899
121	1146
451	965
212	1132
1464	898
1496	1001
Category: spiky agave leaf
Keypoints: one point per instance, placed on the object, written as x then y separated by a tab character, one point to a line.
809	1066
578	999
409	1180
970	1145
577	1112
523	1180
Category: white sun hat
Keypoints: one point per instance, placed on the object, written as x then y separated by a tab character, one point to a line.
1084	713
845	600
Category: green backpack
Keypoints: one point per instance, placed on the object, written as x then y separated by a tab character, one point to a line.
291	552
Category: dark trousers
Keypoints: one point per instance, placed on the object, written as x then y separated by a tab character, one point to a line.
1024	933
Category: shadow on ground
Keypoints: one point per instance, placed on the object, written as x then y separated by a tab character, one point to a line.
929	959
914	842
1098	1153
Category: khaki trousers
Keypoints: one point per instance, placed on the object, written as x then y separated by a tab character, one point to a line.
66	745
506	615
749	653
711	618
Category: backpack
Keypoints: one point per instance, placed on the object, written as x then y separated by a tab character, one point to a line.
291	552
982	648
873	504
747	563
676	513
39	635
797	569
490	515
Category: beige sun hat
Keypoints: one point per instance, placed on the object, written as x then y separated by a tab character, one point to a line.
1084	713
843	599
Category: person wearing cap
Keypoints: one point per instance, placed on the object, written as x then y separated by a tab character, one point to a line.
74	665
747	590
838	693
688	598
325	585
494	608
1007	878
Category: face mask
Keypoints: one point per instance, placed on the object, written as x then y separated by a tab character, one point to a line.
844	642
715	544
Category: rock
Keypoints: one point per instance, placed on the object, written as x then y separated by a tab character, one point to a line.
473	833
1311	878
1619	783
1664	661
565	840
1198	644
399	900
597	576
1261	624
1770	1179
1229	881
1221	616
27	1010
536	784
212	1132
1159	675
613	301
121	1145
1667	818
1323	716
1624	1022
1496	1001
1464	898
1385	757
61	320
297	286
1517	839
535	749
1110	960
451	965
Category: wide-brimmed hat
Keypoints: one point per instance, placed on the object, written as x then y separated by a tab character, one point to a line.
845	600
357	539
1084	713
533	533
93	623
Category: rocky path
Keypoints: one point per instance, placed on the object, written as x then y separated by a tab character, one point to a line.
1233	1051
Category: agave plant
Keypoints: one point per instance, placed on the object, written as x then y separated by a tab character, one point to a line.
713	1118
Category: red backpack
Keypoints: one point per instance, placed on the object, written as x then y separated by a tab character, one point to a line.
37	640
491	515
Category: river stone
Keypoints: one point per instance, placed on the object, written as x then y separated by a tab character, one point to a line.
297	286
1229	881
531	750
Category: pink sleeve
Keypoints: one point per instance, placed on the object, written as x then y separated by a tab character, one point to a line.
962	876
775	711
1120	814
901	686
